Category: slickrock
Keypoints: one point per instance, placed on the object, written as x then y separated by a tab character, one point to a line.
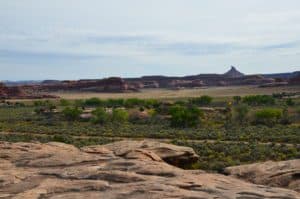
284	174
120	170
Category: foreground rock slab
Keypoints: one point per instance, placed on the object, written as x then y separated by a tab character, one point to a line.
278	174
120	170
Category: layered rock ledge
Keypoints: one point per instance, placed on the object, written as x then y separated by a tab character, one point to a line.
276	174
119	170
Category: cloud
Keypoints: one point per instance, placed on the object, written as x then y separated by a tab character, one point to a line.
197	34
27	55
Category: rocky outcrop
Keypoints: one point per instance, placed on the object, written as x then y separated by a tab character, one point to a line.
295	80
186	83
10	92
233	73
119	170
278	174
175	155
20	92
112	84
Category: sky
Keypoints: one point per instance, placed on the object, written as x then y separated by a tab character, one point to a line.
76	39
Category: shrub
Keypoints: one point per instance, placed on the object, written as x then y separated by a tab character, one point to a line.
79	103
268	116
278	95
119	115
241	113
136	116
114	102
64	102
290	102
255	100
151	103
237	99
44	107
93	102
72	113
132	102
63	138
38	103
202	101
100	116
184	116
285	117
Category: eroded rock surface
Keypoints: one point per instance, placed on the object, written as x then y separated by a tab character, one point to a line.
119	170
278	174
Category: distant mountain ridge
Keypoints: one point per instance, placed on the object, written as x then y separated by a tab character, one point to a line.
283	75
232	76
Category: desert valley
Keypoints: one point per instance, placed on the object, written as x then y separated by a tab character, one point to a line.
131	99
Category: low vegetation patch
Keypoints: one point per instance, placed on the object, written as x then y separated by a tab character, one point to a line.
226	131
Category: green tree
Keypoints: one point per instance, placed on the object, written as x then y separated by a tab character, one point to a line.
184	116
72	113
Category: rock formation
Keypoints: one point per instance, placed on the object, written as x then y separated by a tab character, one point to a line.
118	170
10	92
20	92
112	84
186	83
295	80
278	174
233	73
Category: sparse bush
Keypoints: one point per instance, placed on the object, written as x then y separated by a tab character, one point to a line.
241	113
237	99
63	138
256	100
132	102
290	102
64	102
285	117
100	116
119	115
136	116
204	100
44	107
151	103
38	103
79	103
93	102
278	95
268	116
114	103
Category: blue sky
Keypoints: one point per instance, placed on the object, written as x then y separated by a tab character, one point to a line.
73	39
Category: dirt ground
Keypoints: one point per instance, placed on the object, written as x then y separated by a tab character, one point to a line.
170	94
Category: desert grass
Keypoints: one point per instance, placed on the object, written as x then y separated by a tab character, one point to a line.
220	92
